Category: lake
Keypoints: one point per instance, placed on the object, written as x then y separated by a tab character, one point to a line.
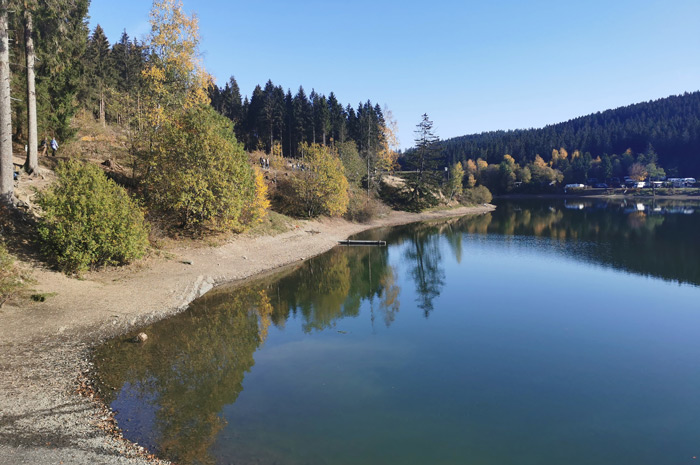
546	332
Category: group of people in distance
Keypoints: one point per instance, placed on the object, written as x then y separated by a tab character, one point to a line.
264	163
44	147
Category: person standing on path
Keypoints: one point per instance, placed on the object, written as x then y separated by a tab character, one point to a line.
54	146
44	147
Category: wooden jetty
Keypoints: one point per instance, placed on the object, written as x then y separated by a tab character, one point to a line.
350	242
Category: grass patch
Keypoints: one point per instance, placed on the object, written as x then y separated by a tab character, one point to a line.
12	279
272	224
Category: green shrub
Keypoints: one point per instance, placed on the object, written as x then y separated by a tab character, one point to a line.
197	170
355	167
476	195
89	220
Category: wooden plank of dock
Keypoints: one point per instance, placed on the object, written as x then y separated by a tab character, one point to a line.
352	242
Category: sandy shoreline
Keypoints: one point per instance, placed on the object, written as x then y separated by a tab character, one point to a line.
43	346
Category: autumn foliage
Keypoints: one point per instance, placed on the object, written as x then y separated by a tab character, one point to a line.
321	187
193	166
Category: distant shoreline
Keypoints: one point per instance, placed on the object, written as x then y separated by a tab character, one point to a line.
582	195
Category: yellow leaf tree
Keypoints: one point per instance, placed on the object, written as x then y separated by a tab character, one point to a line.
194	167
388	143
174	74
321	188
454	184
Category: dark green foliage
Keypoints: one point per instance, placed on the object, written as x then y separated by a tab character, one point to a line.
271	116
89	220
60	38
424	162
671	124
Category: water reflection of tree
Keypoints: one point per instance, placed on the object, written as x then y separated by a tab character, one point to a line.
191	367
642	242
425	256
194	364
389	303
332	286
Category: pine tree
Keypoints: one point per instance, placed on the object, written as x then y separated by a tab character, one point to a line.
322	119
303	118
338	119
32	163
424	159
255	119
272	113
99	68
289	124
6	167
61	35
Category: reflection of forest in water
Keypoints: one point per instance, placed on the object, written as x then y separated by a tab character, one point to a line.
194	364
650	238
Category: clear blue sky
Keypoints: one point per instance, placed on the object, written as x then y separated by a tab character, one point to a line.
472	66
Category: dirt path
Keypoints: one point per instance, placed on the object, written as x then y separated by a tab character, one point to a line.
43	346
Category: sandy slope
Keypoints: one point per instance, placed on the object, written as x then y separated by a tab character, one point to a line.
43	346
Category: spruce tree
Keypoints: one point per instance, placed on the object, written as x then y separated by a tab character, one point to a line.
338	119
6	167
100	69
32	163
424	160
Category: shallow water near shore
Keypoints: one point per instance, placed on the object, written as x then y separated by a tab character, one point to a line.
545	332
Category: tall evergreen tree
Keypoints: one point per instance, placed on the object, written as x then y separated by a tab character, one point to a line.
322	119
32	163
100	68
254	119
272	113
303	118
338	119
6	167
424	159
289	124
61	36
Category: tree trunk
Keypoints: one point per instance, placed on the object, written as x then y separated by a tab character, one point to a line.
102	108
6	167
32	163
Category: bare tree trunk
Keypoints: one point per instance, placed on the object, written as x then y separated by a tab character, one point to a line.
32	163
6	167
102	108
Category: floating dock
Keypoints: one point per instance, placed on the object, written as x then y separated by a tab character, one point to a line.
349	242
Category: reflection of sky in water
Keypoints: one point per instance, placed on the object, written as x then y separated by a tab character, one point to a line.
136	407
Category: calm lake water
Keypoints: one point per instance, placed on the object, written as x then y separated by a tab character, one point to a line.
547	332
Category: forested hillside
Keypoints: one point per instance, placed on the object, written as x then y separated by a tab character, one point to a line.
671	125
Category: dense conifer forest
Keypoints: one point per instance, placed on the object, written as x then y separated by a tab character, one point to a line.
272	116
271	119
671	125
